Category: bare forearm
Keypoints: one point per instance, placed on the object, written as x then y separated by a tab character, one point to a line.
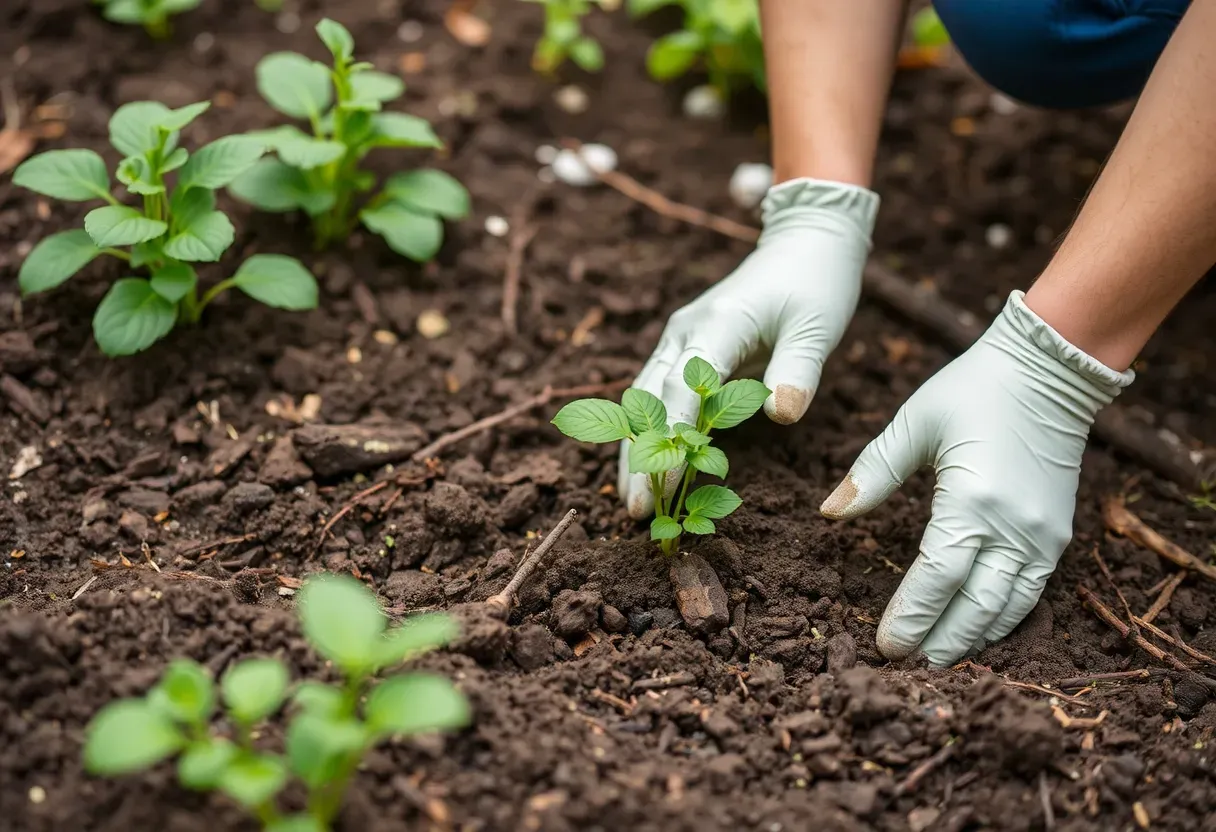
829	66
1146	232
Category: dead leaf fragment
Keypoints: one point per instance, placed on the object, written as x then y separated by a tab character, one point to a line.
15	145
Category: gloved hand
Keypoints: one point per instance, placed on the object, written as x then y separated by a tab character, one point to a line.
1004	426
791	298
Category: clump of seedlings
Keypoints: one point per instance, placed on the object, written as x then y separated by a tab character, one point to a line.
331	726
563	38
153	15
318	172
720	36
175	225
672	455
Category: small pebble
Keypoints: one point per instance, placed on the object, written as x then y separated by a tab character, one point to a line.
704	102
37	794
998	235
1002	105
203	42
497	226
410	31
572	99
287	22
572	170
749	183
545	154
432	324
599	157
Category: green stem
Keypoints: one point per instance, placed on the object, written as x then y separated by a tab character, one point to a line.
213	292
656	488
267	813
117	252
190	307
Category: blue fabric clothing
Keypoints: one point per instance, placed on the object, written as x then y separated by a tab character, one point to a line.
1062	53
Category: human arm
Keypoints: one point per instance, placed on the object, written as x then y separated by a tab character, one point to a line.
787	305
1005	424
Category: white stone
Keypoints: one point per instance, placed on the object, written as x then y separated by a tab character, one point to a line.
749	183
998	235
571	169
704	102
572	99
545	154
497	226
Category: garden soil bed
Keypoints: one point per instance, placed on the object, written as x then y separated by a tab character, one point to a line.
171	514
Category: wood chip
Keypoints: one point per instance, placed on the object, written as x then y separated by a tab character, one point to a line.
1141	815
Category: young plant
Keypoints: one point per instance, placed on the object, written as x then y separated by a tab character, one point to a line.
153	15
723	36
563	37
672	455
331	727
175	226
319	173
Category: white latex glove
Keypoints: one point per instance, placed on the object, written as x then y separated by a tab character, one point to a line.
1004	426
791	298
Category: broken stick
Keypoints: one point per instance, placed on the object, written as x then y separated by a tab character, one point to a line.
502	603
1121	521
521	237
1125	630
1163	599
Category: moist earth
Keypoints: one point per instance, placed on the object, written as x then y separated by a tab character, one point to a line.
181	494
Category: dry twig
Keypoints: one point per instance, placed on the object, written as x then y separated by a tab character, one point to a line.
1144	674
83	588
1049	815
346	509
1125	630
671	680
540	399
216	544
1163	599
926	768
1179	644
522	234
502	603
1123	522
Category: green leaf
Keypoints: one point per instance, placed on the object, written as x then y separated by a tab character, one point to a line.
131	317
417	635
701	377
402	130
296	823
587	54
709	460
691	436
696	524
72	175
300	150
664	528
125	11
145	253
173	281
561	31
179	118
319	698
136	173
736	402
429	192
277	280
712	501
185	692
653	452
118	225
672	55
294	85
645	411
174	160
593	420
254	689
219	163
370	89
55	259
202	233
640	8
928	30
342	620
320	748
416	702
202	763
734	16
252	779
337	39
129	735
407	232
272	185
135	127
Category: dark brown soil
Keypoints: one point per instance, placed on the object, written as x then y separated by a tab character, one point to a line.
788	721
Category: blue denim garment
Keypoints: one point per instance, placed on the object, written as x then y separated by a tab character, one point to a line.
1062	53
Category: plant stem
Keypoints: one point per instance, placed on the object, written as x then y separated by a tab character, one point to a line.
191	311
117	252
212	293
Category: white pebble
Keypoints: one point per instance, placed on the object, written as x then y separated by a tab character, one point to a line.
497	226
203	42
545	154
572	99
1002	105
599	157
410	31
704	102
569	167
37	794
287	22
749	183
998	235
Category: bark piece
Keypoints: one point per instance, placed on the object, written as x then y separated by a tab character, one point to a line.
699	594
333	450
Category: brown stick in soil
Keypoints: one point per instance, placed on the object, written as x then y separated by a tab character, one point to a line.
522	233
1125	630
1110	579
1178	644
346	509
956	327
671	680
1163	598
502	603
1144	674
539	400
926	768
1123	522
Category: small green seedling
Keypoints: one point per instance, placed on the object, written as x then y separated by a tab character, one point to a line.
563	37
319	174
722	36
928	32
330	729
176	226
153	15
661	451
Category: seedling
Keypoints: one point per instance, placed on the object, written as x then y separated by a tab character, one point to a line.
153	15
174	227
723	36
331	727
319	174
563	37
672	455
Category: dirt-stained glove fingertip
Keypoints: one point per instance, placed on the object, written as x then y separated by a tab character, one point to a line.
838	503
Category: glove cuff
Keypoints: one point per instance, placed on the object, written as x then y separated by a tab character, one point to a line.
1034	329
791	203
